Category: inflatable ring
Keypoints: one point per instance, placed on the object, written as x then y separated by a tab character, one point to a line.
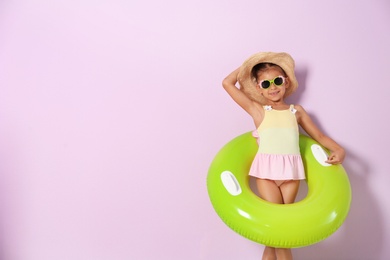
303	223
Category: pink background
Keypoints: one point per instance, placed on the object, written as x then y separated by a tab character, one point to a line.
112	111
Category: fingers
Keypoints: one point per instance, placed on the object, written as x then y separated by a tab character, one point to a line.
334	159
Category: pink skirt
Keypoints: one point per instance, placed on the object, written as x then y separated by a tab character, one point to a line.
278	167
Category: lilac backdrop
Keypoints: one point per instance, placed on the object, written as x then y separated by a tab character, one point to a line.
111	112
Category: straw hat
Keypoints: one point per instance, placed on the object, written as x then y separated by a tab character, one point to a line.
248	83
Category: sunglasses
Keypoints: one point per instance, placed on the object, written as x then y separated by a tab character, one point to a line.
266	83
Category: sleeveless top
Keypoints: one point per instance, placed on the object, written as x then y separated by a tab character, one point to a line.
278	156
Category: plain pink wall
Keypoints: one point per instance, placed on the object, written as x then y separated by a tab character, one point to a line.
112	111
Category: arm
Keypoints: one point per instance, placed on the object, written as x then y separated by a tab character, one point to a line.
229	84
337	154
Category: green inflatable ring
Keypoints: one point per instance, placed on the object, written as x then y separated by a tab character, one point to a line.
299	224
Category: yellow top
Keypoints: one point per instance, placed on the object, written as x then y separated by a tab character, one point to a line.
279	132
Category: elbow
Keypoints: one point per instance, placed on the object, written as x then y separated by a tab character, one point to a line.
228	83
225	82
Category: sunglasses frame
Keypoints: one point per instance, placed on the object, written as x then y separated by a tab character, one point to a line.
272	81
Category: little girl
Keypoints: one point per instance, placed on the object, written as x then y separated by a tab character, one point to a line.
265	79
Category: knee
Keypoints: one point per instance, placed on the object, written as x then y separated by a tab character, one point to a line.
271	257
269	254
284	253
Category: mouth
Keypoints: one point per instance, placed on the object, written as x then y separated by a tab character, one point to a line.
274	93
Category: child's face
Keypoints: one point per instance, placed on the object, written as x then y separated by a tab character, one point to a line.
273	92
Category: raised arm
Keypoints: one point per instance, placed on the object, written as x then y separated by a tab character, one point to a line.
337	154
251	107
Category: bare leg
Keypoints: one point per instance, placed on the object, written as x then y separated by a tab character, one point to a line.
269	191
285	194
269	253
283	254
289	191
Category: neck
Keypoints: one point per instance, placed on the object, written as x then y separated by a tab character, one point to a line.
276	104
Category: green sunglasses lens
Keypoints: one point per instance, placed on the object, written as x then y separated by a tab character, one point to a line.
265	84
278	81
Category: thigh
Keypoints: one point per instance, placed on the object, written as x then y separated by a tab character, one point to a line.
269	191
289	191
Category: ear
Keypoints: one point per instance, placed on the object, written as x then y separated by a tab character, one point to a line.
287	84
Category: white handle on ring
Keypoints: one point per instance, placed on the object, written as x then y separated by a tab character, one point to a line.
320	155
230	183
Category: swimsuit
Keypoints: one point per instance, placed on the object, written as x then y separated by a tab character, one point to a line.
278	156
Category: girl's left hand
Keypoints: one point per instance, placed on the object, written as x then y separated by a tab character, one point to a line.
336	157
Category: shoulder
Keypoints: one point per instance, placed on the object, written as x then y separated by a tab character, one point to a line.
258	106
259	109
299	109
301	112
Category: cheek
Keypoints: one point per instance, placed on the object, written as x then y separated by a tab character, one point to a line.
260	89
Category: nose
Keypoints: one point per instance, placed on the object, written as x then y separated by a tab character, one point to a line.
272	85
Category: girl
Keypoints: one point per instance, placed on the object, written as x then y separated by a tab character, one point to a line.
265	79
